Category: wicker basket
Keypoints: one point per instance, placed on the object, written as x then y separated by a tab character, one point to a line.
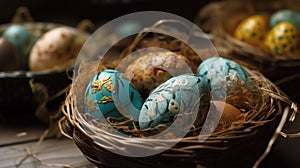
37	93
243	144
220	18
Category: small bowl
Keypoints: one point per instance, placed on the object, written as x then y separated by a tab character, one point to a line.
26	96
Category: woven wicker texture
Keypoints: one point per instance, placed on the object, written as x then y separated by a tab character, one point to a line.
244	143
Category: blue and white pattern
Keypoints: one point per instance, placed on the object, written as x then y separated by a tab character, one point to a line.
218	71
177	95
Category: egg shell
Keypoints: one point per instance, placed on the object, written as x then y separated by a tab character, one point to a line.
56	49
20	37
228	113
109	94
252	30
285	15
178	95
218	71
283	39
150	70
9	58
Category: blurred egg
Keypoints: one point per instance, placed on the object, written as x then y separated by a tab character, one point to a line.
178	95
56	49
9	58
109	94
218	71
252	30
228	113
128	27
285	15
154	68
283	39
19	36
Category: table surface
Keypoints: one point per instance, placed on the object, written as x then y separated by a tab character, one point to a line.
19	148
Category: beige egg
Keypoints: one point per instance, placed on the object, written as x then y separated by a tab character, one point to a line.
56	49
228	113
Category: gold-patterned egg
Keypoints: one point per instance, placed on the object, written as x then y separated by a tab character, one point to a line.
283	39
252	30
150	70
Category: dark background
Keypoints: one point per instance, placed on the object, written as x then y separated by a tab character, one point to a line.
71	12
285	152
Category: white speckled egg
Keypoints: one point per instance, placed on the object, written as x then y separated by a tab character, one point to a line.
174	97
56	49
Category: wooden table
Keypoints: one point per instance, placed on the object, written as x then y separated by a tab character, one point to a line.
19	147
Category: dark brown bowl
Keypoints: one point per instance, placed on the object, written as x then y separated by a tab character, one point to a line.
23	93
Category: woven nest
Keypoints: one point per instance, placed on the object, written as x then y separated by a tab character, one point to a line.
220	18
244	143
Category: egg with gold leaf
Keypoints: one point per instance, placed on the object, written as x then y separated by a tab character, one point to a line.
151	69
109	94
283	39
252	30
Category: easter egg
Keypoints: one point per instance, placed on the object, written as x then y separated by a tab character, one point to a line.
56	49
9	57
178	95
285	15
150	70
109	94
218	71
228	113
252	30
19	36
283	39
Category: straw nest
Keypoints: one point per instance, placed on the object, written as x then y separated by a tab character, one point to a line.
244	143
220	18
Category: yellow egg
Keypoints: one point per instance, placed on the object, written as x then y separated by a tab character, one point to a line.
252	30
228	113
283	38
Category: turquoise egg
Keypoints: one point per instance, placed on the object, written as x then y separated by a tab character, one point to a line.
109	94
218	71
285	15
19	36
177	95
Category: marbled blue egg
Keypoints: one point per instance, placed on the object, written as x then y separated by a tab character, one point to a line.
109	94
285	15
177	95
20	37
218	71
